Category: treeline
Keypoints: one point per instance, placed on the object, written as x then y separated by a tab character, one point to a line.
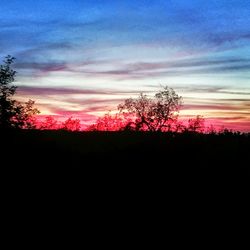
50	123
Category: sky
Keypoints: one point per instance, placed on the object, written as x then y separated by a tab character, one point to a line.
82	58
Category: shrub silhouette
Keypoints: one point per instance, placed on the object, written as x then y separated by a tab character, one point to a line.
196	125
50	123
109	122
71	124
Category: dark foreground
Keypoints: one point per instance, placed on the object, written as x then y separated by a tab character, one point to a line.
110	153
124	169
129	177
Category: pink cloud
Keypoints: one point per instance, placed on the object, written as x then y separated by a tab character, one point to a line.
34	90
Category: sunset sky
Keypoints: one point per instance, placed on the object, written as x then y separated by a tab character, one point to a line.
82	58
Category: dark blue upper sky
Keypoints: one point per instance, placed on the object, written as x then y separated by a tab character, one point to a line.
130	45
185	24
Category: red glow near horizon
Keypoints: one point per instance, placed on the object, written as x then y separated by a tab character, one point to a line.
114	122
234	116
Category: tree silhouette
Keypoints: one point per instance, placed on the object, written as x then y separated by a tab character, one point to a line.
153	114
109	122
71	124
13	114
50	123
196	124
211	130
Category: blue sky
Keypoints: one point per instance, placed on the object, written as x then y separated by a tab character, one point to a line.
77	57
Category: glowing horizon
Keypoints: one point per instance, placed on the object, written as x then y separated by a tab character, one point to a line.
83	58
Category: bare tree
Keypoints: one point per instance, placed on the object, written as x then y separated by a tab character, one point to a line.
153	114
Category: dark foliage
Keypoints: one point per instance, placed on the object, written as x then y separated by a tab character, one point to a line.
152	114
13	114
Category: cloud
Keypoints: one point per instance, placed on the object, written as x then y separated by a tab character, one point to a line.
214	106
37	67
94	101
47	91
141	70
58	110
222	38
43	67
234	118
214	89
200	89
186	63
